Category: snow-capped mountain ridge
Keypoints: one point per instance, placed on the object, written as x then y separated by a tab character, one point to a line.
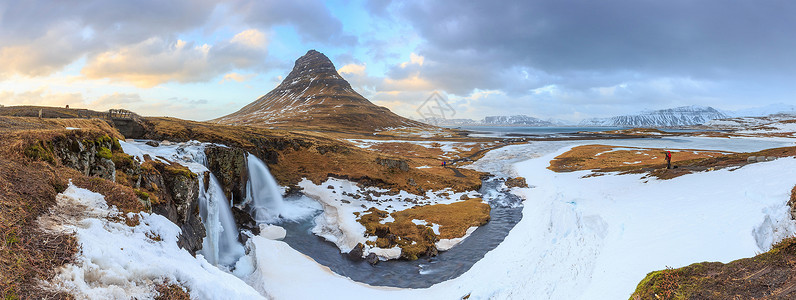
515	120
672	117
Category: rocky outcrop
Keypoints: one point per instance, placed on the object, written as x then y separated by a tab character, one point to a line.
229	166
393	164
92	157
173	191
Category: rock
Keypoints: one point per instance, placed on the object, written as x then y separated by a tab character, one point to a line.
393	164
244	221
516	182
357	252
771	158
153	143
464	197
761	158
230	167
273	232
751	159
178	200
165	143
372	259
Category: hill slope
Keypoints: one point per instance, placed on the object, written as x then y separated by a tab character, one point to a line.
315	96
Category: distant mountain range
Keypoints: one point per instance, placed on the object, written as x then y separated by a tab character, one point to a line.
672	117
516	120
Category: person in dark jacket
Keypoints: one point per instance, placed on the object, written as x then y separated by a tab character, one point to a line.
668	159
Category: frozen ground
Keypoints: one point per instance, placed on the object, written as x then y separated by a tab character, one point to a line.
588	238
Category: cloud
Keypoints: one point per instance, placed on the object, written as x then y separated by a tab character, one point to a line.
42	96
156	61
236	77
355	69
577	43
39	37
312	19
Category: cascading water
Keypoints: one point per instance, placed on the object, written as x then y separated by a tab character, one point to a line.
220	246
263	193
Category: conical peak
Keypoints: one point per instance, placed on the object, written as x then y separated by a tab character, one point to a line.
313	62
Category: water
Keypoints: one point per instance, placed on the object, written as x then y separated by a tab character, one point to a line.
263	193
220	246
421	273
503	131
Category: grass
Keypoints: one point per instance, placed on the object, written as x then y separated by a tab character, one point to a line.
171	291
415	240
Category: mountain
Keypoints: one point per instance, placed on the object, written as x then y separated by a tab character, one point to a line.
515	120
771	109
672	117
315	96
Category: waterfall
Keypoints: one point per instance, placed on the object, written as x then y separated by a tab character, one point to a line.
263	192
220	246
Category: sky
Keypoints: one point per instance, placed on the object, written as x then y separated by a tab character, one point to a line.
559	59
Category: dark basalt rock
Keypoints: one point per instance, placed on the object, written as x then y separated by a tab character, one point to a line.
245	222
230	167
357	252
178	201
372	259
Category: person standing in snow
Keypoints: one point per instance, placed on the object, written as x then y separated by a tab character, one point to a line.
668	159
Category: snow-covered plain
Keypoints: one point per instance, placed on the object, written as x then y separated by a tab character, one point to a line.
588	238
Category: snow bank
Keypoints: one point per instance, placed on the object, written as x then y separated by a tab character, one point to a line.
122	262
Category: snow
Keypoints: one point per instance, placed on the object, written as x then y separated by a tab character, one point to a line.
272	232
123	262
72	128
587	238
447	244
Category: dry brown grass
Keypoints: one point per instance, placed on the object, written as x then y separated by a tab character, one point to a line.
598	157
28	254
171	292
415	240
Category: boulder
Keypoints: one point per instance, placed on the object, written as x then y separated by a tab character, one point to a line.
357	252
372	258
